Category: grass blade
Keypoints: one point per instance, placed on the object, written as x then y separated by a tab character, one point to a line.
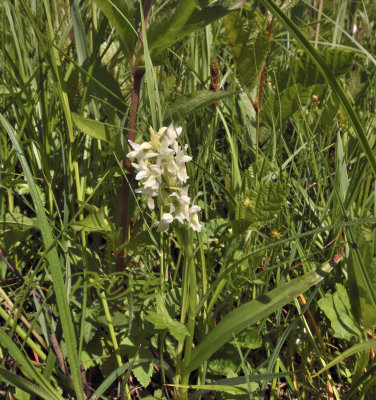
53	260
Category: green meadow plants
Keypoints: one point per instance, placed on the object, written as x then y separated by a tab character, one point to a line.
187	199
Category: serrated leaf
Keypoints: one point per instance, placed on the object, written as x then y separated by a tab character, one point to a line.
339	61
95	129
187	104
337	308
303	42
328	112
95	222
249	45
161	319
279	107
178	330
121	14
259	205
143	372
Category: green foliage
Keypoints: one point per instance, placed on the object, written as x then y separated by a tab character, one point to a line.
361	302
249	45
279	107
339	61
337	308
244	316
16	220
161	319
259	205
279	121
98	130
167	31
123	17
195	101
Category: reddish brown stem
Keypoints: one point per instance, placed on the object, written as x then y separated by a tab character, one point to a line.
270	29
125	190
138	74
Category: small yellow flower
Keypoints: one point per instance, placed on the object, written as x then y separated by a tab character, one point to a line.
247	202
276	234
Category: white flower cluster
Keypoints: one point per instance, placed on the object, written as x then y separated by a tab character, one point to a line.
162	173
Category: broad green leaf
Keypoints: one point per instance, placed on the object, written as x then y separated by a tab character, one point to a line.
250	339
55	266
359	296
16	220
95	222
279	107
337	308
95	129
259	205
135	348
187	104
212	12
329	77
360	347
121	14
254	311
161	319
143	372
166	31
249	45
79	32
339	61
108	92
329	111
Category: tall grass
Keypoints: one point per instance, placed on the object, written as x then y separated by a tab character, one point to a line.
275	296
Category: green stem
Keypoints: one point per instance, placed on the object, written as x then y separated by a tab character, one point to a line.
192	305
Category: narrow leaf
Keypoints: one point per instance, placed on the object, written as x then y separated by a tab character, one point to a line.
25	385
371	344
26	366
